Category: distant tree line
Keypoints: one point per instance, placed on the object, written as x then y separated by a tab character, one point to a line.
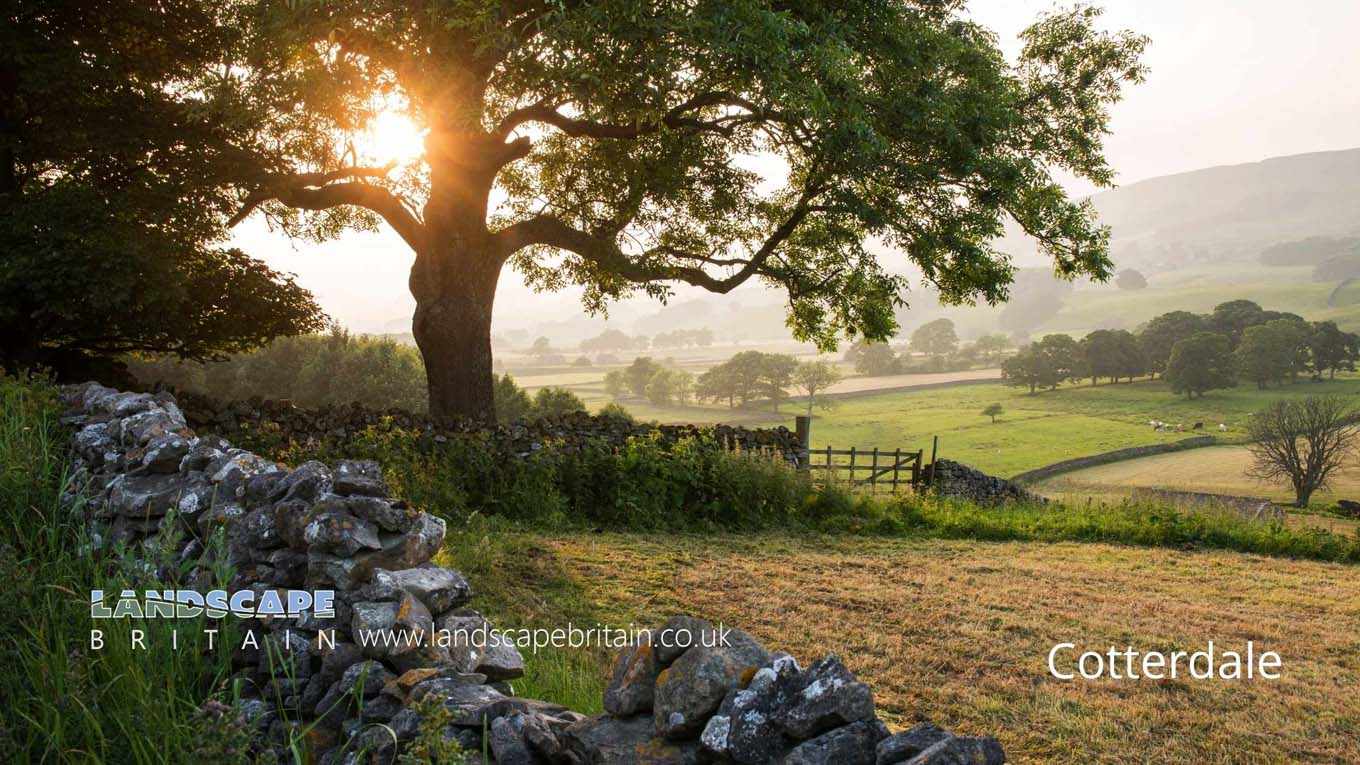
615	341
938	342
746	377
1194	353
1333	259
336	368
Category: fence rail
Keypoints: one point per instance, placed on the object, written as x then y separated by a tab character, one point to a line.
875	468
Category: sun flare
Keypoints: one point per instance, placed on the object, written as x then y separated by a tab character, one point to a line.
393	137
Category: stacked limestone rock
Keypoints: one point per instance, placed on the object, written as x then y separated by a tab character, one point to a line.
954	479
570	431
723	697
179	502
149	484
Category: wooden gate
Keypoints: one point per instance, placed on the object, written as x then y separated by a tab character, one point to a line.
875	468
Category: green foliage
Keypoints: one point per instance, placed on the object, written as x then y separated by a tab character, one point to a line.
1331	349
65	702
990	348
691	484
898	122
310	371
1232	318
1046	363
1200	363
555	402
993	411
813	377
684	338
874	359
617	412
1267	352
111	192
935	338
611	341
1128	523
1112	353
431	746
616	383
639	373
512	401
669	386
1160	335
747	375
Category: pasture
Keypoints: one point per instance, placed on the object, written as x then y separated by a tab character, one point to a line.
961	630
1043	428
1215	469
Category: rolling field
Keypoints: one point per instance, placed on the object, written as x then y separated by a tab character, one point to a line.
1279	288
1035	430
1216	469
959	632
1044	428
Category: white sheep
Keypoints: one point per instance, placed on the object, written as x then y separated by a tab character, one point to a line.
1222	428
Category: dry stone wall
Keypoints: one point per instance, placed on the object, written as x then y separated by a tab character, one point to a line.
687	692
574	430
955	479
1117	455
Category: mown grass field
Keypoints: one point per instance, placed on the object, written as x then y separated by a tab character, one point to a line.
1216	469
958	632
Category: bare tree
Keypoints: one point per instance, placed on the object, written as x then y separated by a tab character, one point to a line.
1304	441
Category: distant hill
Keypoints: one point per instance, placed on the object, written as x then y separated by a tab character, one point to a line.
1228	213
1234	212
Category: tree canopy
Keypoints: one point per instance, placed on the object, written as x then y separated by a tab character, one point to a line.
114	187
1200	363
935	338
635	146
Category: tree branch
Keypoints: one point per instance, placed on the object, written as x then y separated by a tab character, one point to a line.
677	118
319	191
551	231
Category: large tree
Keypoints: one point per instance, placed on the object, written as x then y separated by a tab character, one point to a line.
112	194
1331	349
628	146
935	338
1200	363
1160	335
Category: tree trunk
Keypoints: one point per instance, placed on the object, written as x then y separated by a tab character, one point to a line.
455	291
455	273
1301	496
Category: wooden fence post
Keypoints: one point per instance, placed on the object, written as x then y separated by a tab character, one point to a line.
897	467
803	428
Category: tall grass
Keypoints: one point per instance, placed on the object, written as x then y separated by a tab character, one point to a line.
63	700
695	486
1130	523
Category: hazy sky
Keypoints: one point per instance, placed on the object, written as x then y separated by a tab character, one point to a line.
1231	81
